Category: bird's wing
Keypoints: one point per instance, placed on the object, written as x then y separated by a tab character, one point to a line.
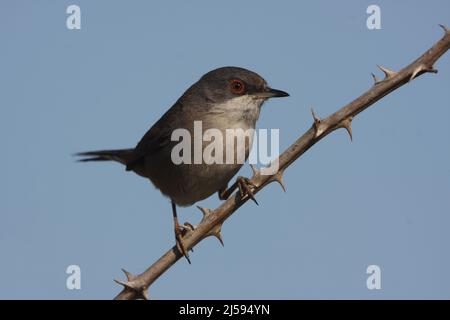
157	137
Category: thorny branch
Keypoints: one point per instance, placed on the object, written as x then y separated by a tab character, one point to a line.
136	287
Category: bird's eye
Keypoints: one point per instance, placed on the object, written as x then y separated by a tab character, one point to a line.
237	86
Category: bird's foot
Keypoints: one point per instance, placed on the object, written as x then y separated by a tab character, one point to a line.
180	231
245	188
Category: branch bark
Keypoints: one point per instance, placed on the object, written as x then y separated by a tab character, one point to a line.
136	287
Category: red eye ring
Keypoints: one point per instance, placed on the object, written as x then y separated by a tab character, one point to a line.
237	86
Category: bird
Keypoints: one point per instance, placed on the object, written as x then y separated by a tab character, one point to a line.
226	98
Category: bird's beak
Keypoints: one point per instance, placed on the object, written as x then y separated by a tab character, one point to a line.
271	93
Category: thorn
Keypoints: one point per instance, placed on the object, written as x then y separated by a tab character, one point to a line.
207	214
388	73
278	177
129	276
415	72
219	237
126	285
122	283
255	170
446	30
376	80
347	125
205	211
317	122
316	118
216	232
143	294
421	69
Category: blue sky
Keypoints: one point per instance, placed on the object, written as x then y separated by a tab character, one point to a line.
382	199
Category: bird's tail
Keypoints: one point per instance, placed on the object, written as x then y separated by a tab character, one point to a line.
121	155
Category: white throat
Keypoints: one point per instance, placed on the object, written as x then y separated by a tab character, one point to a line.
245	108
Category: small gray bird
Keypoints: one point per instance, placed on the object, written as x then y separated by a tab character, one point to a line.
224	98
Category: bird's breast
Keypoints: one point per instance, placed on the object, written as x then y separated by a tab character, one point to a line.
226	132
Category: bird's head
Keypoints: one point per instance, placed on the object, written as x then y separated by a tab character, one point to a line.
228	83
233	90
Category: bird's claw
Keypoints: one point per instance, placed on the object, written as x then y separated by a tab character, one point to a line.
245	188
180	231
188	226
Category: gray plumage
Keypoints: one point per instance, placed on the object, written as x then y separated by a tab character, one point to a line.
213	101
